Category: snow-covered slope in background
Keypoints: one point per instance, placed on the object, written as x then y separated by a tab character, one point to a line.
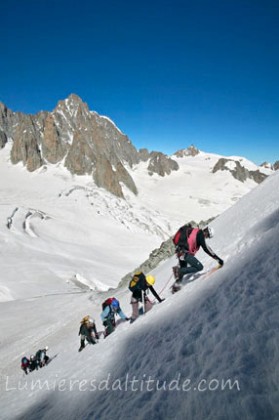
65	233
193	192
208	352
62	226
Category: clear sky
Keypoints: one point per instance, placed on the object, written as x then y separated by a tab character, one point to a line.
168	73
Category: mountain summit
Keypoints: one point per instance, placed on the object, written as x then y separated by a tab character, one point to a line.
87	143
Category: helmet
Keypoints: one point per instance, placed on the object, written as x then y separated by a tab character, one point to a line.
90	321
150	280
32	357
115	304
46	348
210	231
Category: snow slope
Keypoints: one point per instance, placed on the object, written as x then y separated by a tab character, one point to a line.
208	352
193	192
65	233
63	229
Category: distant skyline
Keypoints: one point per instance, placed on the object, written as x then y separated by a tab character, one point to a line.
168	73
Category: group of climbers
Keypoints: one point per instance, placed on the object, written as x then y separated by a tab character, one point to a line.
187	242
111	307
34	362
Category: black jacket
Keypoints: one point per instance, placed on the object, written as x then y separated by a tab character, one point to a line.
142	285
201	242
87	330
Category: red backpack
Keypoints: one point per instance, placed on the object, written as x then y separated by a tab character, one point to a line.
181	237
108	302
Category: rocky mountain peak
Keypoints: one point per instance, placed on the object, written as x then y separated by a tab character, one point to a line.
86	143
190	151
72	106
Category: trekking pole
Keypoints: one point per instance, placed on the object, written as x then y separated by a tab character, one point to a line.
171	276
143	301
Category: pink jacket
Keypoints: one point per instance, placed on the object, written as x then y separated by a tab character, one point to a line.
192	242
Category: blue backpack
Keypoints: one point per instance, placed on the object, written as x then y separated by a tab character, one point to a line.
111	302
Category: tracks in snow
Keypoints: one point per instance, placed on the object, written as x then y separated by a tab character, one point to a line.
21	220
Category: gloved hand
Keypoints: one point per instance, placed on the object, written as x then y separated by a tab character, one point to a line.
221	262
105	323
97	336
127	319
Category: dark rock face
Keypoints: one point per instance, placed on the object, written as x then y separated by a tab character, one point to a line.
104	176
239	172
89	143
86	142
80	158
161	164
25	147
3	139
53	149
144	155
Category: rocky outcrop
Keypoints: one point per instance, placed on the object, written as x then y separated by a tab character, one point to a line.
3	139
276	165
266	165
257	176
81	158
111	142
190	151
238	171
105	177
53	149
111	178
161	164
144	155
25	147
8	120
123	176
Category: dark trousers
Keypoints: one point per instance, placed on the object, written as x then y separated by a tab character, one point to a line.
109	323
190	264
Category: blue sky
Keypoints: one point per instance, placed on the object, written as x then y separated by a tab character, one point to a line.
168	73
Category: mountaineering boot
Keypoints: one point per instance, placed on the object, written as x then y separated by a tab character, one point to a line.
91	340
176	287
82	345
176	272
